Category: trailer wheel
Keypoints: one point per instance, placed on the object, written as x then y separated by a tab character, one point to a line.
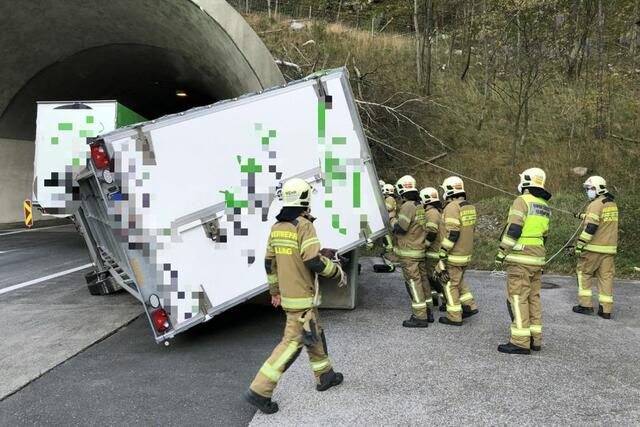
105	286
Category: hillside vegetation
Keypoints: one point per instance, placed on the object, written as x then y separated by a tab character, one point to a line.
503	88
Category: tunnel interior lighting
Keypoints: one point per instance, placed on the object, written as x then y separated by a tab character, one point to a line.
181	94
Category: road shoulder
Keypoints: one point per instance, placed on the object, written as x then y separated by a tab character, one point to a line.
46	324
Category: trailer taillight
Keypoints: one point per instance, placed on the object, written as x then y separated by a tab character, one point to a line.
160	320
99	155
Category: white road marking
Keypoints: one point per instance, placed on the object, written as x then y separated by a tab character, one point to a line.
42	279
31	229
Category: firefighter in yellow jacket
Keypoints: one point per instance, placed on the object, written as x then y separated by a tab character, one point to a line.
596	247
455	234
390	203
523	253
292	260
432	214
408	227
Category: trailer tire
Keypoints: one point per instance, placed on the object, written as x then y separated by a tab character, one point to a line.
91	277
103	287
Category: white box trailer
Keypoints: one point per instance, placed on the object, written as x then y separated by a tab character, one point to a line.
61	150
178	209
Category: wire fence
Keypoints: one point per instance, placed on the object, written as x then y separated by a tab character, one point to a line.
350	13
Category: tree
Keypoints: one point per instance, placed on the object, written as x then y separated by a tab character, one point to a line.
527	42
419	41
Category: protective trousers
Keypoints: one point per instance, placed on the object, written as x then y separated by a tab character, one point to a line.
414	271
523	301
602	266
429	288
389	256
457	293
287	352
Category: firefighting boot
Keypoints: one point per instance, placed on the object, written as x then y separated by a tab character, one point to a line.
443	307
582	310
329	379
436	298
264	404
430	314
467	312
533	346
602	314
384	268
447	321
414	322
510	348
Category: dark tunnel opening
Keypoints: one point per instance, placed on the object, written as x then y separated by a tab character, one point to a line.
151	81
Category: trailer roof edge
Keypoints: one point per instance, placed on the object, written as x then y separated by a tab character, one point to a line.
132	130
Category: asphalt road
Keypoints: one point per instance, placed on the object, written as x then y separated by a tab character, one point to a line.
586	374
39	252
128	379
448	376
125	379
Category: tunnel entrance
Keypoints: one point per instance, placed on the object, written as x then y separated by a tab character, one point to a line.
149	80
155	57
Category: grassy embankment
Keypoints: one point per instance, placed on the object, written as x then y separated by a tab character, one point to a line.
560	133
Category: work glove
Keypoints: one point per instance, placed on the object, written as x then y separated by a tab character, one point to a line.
579	248
500	256
440	273
578	215
328	252
444	256
309	329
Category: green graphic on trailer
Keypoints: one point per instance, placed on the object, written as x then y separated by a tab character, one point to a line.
335	169
254	201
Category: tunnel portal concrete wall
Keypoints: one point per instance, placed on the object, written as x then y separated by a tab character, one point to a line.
139	52
16	176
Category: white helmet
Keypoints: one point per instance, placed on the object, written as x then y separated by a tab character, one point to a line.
406	184
452	186
296	193
388	189
596	182
429	195
381	183
532	177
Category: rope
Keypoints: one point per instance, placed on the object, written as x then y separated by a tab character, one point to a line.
343	277
500	273
460	175
565	245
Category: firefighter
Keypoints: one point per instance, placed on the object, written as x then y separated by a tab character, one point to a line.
432	213
455	234
390	203
408	227
292	262
523	253
596	248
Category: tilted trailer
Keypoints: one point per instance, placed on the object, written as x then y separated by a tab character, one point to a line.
178	210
